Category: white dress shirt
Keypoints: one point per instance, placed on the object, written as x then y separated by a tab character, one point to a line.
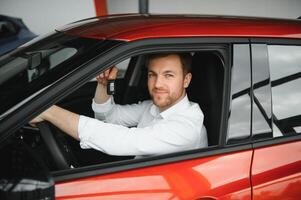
141	130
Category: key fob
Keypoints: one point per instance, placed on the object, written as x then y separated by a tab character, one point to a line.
111	87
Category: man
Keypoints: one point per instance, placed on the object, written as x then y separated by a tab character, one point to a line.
168	123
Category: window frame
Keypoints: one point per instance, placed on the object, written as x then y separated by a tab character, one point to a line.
126	50
263	142
147	46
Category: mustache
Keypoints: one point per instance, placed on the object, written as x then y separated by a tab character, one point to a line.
159	90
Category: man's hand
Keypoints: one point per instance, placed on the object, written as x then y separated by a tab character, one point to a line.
101	95
109	74
37	119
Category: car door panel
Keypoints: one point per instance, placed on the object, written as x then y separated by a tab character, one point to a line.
276	171
222	176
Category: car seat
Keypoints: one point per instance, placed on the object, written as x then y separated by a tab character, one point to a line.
206	89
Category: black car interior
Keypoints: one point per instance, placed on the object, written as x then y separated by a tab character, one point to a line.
206	89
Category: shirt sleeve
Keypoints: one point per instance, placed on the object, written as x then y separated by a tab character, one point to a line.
165	136
101	109
125	115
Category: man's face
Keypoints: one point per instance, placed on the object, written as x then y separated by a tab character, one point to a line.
166	81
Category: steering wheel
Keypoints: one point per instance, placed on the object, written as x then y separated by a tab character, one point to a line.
60	152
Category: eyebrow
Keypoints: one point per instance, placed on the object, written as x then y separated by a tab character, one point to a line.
165	72
168	71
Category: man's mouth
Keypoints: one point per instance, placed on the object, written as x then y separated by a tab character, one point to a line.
159	92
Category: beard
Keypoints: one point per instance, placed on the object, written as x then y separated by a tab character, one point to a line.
162	102
165	100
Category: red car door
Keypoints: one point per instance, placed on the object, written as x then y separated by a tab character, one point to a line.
276	171
224	176
219	172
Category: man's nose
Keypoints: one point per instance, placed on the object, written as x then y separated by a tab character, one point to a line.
158	82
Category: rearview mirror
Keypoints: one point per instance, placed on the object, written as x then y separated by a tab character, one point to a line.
35	60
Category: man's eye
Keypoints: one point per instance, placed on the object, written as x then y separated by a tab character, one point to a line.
150	75
168	75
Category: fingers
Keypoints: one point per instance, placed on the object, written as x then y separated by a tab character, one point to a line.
113	73
36	120
101	79
109	74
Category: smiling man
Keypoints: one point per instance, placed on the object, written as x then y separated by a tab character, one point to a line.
167	79
167	123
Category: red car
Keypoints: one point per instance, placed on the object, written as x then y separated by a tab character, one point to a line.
246	78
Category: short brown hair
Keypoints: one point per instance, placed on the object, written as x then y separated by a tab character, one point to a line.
185	58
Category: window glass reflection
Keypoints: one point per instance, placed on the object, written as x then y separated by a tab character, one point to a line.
276	131
28	70
240	113
240	117
286	99
261	119
262	114
285	67
284	60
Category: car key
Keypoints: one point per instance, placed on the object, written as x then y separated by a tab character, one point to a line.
111	87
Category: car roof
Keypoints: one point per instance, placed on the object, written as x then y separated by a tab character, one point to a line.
131	27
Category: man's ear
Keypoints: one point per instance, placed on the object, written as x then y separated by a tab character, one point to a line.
187	80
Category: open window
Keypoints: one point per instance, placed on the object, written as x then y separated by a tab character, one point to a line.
207	88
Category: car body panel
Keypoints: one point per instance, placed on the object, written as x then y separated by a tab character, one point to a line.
276	171
224	176
136	27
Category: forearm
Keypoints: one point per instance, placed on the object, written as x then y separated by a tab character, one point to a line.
126	115
63	119
101	95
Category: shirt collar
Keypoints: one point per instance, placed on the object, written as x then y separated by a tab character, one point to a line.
181	105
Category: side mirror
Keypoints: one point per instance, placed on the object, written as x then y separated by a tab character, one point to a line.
22	174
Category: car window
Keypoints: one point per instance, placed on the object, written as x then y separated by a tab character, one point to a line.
262	111
50	58
126	93
38	64
285	67
240	110
122	67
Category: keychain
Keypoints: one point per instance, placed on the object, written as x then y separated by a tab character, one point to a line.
111	87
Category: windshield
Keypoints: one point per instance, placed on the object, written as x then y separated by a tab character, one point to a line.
34	66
